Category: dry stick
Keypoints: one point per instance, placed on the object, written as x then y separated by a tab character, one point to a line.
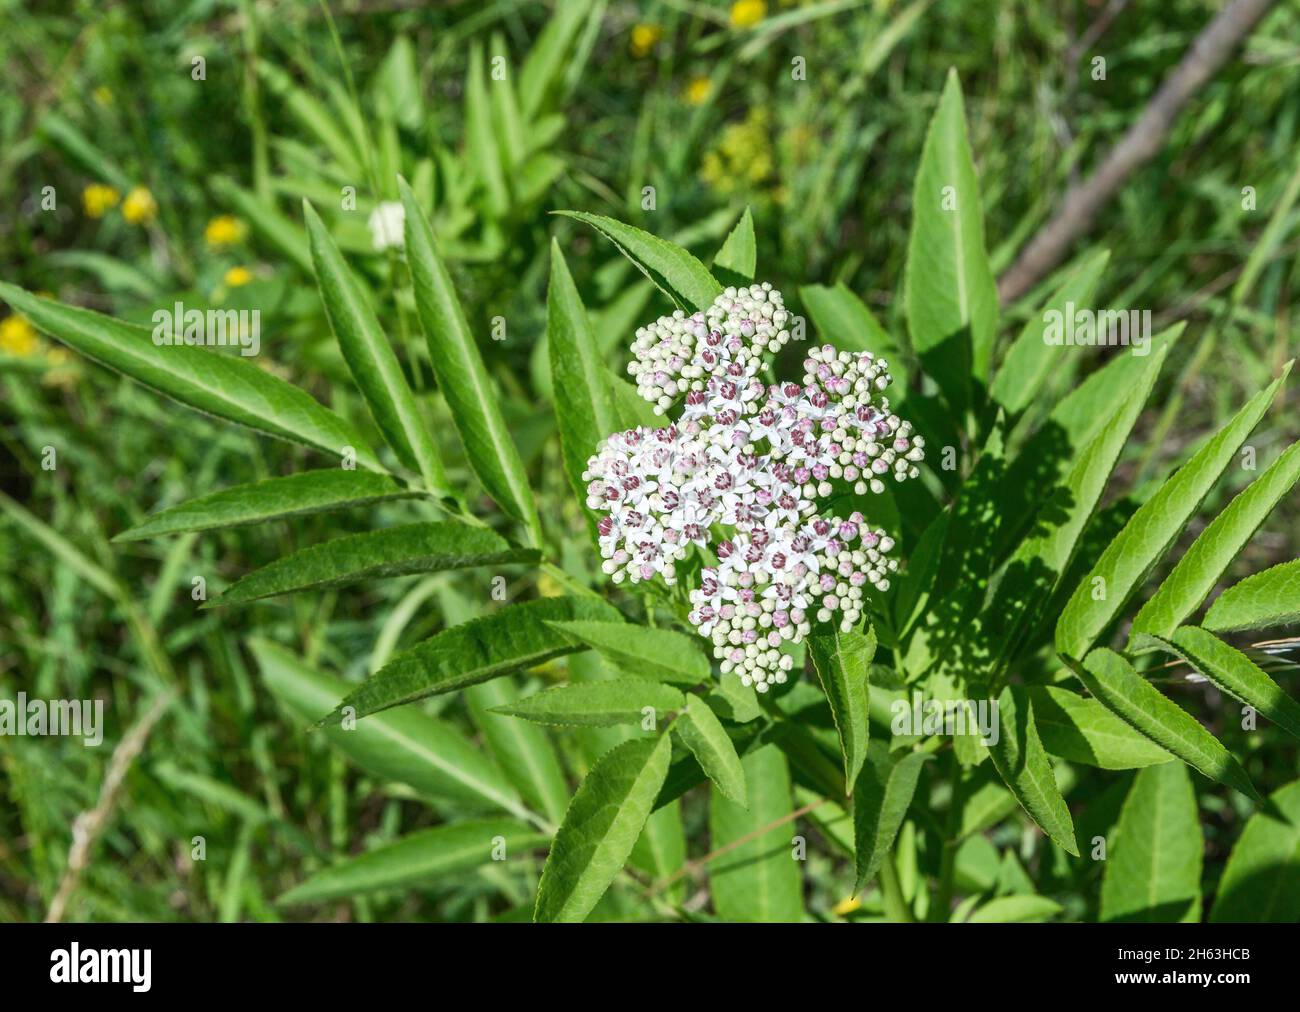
88	826
1138	146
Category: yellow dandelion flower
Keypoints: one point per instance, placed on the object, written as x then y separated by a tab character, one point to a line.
103	95
17	336
139	208
846	906
237	276
645	38
697	92
224	230
747	13
97	198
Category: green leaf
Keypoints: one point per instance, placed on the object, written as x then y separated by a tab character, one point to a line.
1081	730
279	232
702	733
273	499
1264	599
481	142
1031	360
661	654
757	880
371	359
1151	531
881	797
226	386
509	639
462	377
737	260
1113	681
948	287
377	555
584	403
842	319
597	704
1153	866
1234	673
1024	766
547	58
843	663
418	859
1212	552
676	272
1015	909
430	755
600	828
1261	882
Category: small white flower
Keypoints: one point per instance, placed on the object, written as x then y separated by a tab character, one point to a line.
387	223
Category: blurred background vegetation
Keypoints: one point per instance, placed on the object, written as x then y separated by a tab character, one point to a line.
179	139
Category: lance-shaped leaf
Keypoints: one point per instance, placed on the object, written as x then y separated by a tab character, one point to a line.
510	639
1024	766
737	260
584	403
601	827
662	654
227	386
273	499
881	797
463	378
1151	531
948	288
1233	672
1153	865
675	271
843	663
843	319
1082	730
371	359
1261	883
1032	359
1214	549
1262	600
376	555
701	732
546	62
1111	678
1015	910
430	755
597	704
419	859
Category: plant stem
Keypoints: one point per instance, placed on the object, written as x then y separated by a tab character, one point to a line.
896	908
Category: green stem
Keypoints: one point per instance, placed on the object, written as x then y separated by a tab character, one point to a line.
896	908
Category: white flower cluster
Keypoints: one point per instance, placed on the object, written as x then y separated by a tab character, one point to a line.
745	469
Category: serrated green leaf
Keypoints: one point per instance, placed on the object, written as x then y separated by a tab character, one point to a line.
600	828
661	654
734	700
843	663
843	319
1212	552
1264	599
1015	909
462	377
1153	866
597	704
371	359
1021	761
374	555
881	798
757	880
1261	882
1151	531
1111	678
227	386
737	260
675	271
1081	730
509	639
418	859
702	733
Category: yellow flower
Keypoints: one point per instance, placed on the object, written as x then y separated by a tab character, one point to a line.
847	906
139	208
644	38
17	336
224	230
237	276
747	13
103	95
697	92
98	198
